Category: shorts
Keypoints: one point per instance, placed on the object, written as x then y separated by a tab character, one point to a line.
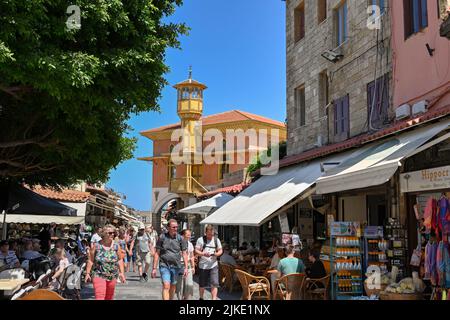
169	274
143	257
131	258
208	277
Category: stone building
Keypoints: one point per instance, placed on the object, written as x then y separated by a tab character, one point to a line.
335	51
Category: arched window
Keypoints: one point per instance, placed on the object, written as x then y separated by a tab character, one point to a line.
171	168
185	94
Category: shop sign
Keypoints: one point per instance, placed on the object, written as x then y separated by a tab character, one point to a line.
284	223
428	179
373	232
340	228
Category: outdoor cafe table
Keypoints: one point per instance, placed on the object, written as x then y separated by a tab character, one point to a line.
11	284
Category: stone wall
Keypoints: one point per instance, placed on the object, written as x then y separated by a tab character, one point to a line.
350	75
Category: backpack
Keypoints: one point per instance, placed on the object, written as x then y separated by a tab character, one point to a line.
216	243
164	236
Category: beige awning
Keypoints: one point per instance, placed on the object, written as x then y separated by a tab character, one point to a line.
41	219
270	195
377	162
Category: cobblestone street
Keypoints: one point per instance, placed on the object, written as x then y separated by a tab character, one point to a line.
151	290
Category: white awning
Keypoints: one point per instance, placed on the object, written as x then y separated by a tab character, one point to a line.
41	219
377	162
265	197
209	205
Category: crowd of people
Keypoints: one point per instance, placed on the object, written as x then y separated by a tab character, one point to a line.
112	252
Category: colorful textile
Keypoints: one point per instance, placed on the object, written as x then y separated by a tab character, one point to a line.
430	262
106	262
428	215
443	264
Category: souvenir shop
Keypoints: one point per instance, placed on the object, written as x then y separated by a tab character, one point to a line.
425	187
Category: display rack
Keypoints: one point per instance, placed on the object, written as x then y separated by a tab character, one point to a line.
346	260
397	253
375	248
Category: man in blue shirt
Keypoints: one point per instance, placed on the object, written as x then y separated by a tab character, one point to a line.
290	264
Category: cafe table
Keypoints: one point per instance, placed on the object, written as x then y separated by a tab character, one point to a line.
11	285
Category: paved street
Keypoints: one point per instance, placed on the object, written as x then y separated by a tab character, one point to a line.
151	290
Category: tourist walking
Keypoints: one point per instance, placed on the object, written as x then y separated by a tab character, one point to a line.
131	250
208	248
106	264
143	251
185	285
170	249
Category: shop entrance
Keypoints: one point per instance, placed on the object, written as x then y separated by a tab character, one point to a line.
377	210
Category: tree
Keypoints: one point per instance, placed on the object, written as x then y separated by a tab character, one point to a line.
66	93
263	158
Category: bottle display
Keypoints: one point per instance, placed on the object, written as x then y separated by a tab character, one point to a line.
348	261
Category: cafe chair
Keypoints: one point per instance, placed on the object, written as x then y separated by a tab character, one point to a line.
230	279
290	287
41	294
18	294
317	289
253	287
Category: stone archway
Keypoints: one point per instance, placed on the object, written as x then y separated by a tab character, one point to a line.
160	206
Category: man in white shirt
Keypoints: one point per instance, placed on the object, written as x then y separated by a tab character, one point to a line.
96	236
208	248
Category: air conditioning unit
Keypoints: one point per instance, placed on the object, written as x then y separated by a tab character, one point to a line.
420	107
402	112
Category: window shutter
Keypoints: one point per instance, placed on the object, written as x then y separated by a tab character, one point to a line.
407	17
424	14
346	115
336	117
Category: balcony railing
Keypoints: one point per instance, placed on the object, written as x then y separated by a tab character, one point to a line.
186	185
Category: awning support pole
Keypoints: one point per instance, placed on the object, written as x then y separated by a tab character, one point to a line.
4	229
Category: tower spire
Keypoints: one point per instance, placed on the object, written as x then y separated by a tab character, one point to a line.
190	72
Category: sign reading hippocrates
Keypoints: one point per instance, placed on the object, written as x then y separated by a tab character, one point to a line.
428	179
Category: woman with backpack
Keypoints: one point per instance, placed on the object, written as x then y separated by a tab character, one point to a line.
105	265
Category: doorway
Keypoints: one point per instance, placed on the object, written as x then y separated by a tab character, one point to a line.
377	210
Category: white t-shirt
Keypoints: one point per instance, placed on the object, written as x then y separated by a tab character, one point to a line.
207	263
95	238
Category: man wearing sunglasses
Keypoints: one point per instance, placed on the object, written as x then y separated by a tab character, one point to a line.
170	249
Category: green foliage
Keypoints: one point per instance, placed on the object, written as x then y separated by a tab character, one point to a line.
264	157
66	94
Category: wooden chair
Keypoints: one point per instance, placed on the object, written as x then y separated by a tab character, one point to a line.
222	276
230	279
317	289
41	294
290	287
253	287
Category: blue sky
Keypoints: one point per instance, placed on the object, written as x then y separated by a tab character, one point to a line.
235	47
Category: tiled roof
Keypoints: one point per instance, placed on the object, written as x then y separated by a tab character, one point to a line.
228	116
63	195
237	188
365	138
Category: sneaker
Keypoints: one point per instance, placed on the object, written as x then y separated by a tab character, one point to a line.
141	279
145	276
